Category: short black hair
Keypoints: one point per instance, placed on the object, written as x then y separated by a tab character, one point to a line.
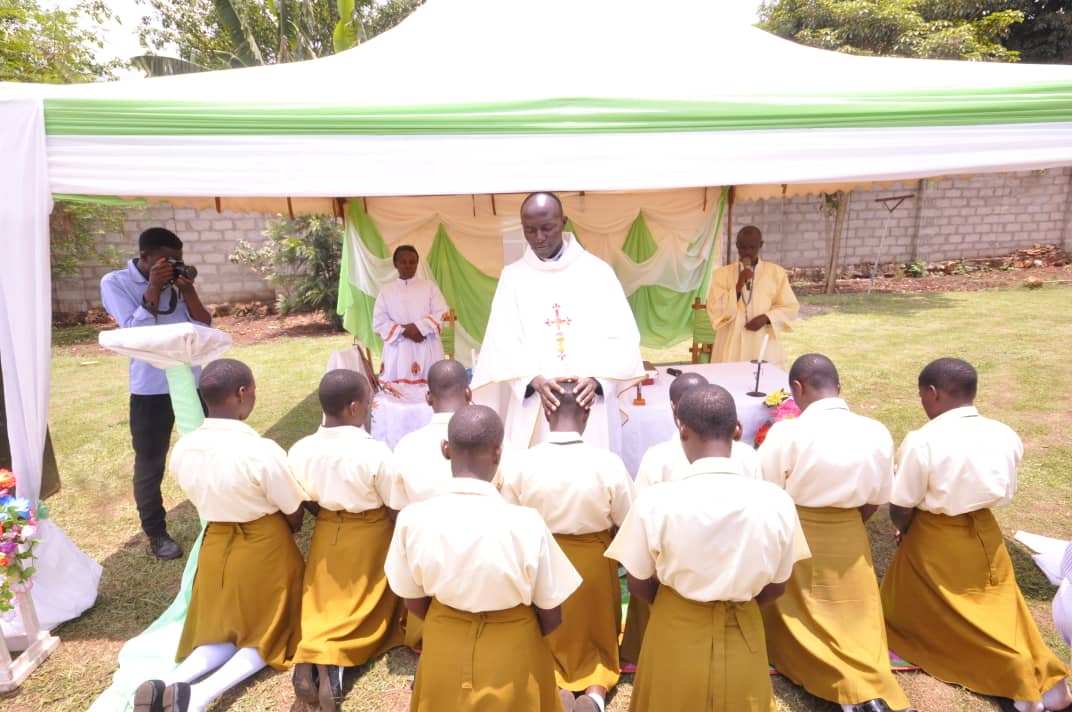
447	377
156	237
222	378
815	371
475	428
552	196
685	383
748	230
567	399
954	376
404	248
339	388
708	411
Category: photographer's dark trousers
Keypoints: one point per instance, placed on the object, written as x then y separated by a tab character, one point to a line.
151	421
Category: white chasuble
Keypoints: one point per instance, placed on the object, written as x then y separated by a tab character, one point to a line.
769	294
565	317
409	301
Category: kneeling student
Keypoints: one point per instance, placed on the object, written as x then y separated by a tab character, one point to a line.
245	605
488	579
582	492
710	548
950	596
349	614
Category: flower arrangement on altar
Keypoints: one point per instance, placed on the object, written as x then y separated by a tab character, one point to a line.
782	406
18	524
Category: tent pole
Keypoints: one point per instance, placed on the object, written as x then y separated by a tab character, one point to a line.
835	245
729	222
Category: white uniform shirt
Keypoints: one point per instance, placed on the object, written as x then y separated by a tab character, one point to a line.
662	460
424	472
232	474
712	535
472	551
346	469
830	457
958	462
576	488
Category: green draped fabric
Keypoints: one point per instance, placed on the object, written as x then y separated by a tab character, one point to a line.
353	305
639	245
467	290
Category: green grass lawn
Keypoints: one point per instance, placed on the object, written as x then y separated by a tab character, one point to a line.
1018	339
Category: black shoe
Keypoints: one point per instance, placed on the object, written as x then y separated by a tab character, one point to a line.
177	697
149	697
872	706
164	547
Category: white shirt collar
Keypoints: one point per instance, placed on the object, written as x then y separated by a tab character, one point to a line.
471	485
964	411
342	431
563	437
712	466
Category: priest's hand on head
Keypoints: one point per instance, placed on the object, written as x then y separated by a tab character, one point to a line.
411	332
585	392
547	389
757	323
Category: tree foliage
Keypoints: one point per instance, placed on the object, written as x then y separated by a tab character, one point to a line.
1045	35
219	34
931	29
75	229
39	44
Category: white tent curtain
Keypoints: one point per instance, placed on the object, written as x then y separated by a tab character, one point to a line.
66	581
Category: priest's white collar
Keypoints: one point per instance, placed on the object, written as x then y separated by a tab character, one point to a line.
571	251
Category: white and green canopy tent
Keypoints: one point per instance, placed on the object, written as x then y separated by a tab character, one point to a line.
638	112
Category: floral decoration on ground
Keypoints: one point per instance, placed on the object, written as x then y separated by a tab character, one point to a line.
782	406
18	525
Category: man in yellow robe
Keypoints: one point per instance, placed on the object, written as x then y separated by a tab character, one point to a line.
950	596
749	300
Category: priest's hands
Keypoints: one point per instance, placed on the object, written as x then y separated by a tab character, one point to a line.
411	332
548	389
757	323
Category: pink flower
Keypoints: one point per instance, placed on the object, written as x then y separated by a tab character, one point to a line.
28	531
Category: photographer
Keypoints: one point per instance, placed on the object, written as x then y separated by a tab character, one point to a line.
155	288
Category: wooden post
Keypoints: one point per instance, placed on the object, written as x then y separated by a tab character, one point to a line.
913	249
39	645
835	246
729	224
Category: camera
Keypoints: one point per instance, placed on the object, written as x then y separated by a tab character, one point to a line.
180	268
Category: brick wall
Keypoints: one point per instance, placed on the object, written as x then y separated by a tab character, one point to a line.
208	238
947	219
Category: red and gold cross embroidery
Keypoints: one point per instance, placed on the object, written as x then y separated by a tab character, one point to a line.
558	321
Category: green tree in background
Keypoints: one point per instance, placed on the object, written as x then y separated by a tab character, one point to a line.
50	46
931	29
1045	36
221	34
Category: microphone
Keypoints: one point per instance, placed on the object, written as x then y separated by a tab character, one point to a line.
746	263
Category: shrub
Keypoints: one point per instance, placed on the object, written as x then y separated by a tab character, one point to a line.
301	260
916	268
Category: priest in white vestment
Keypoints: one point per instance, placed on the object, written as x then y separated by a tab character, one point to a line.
749	301
408	316
559	312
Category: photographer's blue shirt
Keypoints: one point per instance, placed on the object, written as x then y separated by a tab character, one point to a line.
121	293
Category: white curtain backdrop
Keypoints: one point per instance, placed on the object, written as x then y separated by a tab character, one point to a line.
66	582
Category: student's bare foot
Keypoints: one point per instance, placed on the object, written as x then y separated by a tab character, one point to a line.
568	700
304	687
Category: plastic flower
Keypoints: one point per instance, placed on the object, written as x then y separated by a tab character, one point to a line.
7	547
786	410
28	531
7	479
22	506
776	398
761	434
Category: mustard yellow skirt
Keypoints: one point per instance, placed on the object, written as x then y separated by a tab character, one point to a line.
585	646
953	608
702	657
247	590
349	614
495	661
826	632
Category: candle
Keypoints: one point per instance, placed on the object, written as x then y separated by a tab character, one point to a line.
763	348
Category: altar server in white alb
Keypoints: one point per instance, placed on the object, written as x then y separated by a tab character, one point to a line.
409	317
749	302
558	312
827	633
662	460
